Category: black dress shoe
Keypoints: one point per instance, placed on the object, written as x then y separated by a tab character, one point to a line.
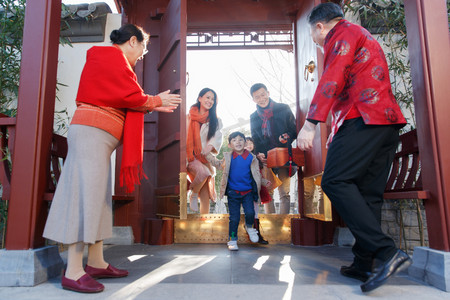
261	240
354	272
400	261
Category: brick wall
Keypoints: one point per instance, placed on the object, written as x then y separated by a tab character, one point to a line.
396	212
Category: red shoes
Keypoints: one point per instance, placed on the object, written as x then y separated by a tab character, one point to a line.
85	284
109	272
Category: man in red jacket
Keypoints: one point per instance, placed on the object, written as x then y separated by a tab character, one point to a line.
366	120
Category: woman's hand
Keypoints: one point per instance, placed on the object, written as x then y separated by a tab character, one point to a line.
166	109
262	158
266	183
172	100
306	136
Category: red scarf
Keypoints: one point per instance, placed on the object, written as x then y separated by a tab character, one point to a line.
194	142
266	115
131	170
108	80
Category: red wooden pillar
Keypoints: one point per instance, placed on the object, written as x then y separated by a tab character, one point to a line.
306	231
34	127
429	51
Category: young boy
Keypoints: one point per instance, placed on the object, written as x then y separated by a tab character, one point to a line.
241	182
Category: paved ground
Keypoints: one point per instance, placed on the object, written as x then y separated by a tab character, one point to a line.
210	271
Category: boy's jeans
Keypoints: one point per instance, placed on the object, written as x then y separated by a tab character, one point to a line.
235	199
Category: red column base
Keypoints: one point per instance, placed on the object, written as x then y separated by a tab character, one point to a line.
310	232
158	231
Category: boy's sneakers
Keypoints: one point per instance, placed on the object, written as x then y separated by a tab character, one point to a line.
252	234
232	246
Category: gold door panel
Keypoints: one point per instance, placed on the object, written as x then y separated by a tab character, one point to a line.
213	228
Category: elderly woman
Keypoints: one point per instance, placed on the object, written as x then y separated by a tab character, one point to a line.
110	111
204	138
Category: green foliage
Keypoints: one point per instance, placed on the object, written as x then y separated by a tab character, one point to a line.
66	15
12	16
386	18
3	218
61	117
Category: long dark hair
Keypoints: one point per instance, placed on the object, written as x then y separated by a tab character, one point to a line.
125	32
213	121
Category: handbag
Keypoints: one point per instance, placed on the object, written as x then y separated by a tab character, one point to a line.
285	157
274	180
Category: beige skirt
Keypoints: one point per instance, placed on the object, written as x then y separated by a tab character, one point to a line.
81	210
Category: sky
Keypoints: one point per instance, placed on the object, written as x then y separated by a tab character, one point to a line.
231	73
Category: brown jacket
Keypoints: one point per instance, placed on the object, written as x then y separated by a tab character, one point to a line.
225	164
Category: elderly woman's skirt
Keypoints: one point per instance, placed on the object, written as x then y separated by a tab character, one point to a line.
81	210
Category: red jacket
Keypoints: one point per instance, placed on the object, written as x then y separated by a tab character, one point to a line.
108	86
355	74
108	80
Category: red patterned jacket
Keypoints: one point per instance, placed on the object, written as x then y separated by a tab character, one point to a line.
355	74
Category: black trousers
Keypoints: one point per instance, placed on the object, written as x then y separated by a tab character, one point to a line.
356	170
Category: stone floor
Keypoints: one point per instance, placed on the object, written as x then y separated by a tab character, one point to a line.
210	271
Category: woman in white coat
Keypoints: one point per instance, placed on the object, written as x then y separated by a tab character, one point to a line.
204	137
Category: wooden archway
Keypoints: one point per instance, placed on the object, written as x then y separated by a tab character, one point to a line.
430	59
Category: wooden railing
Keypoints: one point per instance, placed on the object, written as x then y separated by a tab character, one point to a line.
58	153
405	179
